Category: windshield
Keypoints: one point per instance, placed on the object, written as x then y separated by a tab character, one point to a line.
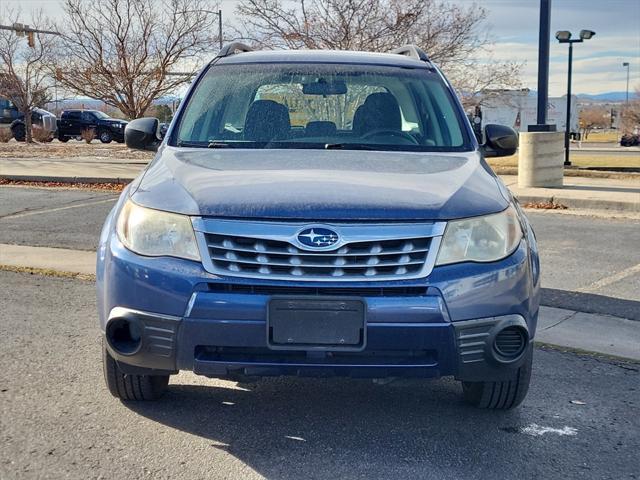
100	114
321	106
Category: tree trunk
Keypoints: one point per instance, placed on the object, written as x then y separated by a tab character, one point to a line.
27	126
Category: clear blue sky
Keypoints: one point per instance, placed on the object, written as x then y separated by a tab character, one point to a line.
514	26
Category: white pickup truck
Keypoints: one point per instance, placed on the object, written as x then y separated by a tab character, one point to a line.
39	118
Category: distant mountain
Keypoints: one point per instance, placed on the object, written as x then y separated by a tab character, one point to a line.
612	97
605	97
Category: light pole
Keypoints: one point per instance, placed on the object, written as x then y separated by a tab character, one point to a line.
543	69
564	36
220	27
626	103
219	14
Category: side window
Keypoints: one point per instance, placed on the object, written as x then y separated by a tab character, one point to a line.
88	117
72	116
445	116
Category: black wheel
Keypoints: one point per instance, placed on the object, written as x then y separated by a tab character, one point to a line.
19	133
63	139
105	136
502	395
131	387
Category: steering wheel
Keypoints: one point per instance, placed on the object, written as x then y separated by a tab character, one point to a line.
390	132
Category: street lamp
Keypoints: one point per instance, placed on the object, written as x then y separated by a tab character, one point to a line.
219	14
626	64
220	26
564	36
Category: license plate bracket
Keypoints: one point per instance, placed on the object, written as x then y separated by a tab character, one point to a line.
316	323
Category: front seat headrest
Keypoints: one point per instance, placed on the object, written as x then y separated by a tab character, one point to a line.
266	120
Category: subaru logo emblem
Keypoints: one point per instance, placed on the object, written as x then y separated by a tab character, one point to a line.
318	237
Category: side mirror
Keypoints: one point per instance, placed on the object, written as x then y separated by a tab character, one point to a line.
500	141
143	134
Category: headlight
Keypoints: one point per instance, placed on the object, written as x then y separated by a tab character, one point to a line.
156	233
480	239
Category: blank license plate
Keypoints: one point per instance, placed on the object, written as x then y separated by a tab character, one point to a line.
298	322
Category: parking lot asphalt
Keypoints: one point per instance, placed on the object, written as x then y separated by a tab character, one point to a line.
43	217
58	420
589	263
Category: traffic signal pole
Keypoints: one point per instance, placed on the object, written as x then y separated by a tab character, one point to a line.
22	30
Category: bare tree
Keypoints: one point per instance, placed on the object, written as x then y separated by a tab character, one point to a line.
454	36
593	117
630	118
123	52
480	83
329	24
23	68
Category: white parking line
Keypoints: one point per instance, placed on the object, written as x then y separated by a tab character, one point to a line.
57	209
536	430
616	277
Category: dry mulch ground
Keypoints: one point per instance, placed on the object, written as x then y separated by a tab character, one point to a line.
71	149
104	187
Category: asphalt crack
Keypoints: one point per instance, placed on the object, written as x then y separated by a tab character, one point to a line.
571	315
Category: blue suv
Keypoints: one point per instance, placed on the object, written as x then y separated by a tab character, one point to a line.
319	213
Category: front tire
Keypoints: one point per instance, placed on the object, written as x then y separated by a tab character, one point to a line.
105	136
19	133
131	387
501	395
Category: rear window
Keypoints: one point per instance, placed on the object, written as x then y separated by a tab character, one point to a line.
322	105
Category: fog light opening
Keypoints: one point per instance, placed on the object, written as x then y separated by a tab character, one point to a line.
510	342
124	336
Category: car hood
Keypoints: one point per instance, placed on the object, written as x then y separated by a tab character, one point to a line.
320	184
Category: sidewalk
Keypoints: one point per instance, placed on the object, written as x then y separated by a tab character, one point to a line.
578	192
68	171
602	334
583	192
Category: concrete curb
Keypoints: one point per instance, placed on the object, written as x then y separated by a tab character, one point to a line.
589	204
47	258
589	332
576	203
49	178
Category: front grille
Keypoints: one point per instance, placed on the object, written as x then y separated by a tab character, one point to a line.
318	291
248	356
366	260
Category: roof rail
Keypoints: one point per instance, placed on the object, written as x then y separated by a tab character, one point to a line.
412	51
233	48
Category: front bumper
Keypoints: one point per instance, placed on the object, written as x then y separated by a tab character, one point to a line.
237	348
189	319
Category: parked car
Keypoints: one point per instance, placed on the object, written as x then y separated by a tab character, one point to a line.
107	129
8	111
630	140
40	118
319	213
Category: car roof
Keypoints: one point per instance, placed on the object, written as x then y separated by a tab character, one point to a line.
78	110
323	56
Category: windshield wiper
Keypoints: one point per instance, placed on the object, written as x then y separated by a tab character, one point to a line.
218	145
349	146
185	143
